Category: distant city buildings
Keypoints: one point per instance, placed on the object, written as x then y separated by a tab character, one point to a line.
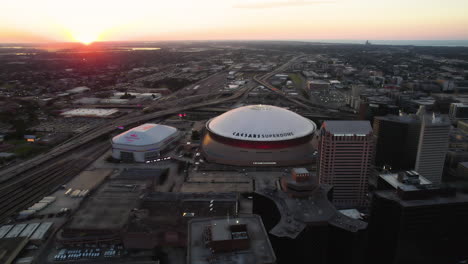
346	152
235	170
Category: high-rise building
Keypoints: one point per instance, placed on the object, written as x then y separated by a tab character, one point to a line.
433	146
417	222
397	139
418	142
346	151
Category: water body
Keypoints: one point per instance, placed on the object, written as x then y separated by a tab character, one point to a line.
145	48
435	43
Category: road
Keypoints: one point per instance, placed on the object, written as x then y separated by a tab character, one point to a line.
319	110
28	181
24	183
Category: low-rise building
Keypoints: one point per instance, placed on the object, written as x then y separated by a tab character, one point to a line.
229	240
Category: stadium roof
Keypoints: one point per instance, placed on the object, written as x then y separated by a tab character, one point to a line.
261	123
143	135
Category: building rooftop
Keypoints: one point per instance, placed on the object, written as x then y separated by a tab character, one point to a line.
261	123
79	89
90	112
171	196
300	170
437	120
10	248
110	207
146	134
433	199
347	128
316	209
165	215
238	240
400	118
392	179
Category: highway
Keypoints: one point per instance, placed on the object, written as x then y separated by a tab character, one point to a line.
319	110
24	183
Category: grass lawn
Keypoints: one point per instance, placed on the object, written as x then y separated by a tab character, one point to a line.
25	149
297	80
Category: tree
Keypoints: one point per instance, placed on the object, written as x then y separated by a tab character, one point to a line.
20	128
195	135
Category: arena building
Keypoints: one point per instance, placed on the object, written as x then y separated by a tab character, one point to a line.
143	143
259	135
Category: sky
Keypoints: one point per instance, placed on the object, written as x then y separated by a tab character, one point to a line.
154	20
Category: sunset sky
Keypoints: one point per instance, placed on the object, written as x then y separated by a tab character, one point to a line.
91	20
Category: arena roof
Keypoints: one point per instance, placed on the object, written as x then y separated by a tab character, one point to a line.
143	135
261	123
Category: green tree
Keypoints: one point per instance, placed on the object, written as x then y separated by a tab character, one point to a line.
195	135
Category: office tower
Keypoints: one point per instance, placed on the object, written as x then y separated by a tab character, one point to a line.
432	148
397	139
417	223
346	150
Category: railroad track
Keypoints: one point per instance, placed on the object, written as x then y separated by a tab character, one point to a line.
25	185
25	191
27	182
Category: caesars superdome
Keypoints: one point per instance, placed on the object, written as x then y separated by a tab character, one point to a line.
259	135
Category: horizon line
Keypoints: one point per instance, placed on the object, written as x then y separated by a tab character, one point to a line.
322	41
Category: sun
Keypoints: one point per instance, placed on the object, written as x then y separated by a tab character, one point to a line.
85	37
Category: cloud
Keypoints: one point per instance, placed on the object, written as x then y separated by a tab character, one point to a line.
275	4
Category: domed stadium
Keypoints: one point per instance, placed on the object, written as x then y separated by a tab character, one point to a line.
143	143
259	135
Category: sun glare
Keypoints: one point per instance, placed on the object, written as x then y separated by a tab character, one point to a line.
85	38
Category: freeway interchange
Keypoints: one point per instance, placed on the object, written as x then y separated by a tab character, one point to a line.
56	162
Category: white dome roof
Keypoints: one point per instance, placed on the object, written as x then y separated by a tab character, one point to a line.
143	135
261	123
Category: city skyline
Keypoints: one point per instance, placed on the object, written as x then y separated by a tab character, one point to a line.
88	21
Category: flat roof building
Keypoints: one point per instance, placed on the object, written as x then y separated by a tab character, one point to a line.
229	240
91	112
162	217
